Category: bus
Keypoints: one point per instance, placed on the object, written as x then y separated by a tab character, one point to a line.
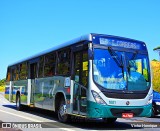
93	76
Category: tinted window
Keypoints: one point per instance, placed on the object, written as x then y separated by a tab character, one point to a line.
17	72
50	62
63	62
41	65
8	75
23	71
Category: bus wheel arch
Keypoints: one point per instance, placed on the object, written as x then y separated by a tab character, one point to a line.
60	107
58	98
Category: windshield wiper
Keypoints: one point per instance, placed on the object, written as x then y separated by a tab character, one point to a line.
115	57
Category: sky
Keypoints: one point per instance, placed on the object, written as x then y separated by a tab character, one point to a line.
28	27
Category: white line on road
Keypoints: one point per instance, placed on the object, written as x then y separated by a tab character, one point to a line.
35	120
31	119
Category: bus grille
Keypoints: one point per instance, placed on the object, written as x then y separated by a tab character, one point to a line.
125	95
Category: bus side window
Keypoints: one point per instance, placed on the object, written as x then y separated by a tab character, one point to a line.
41	67
17	72
23	71
63	67
13	74
8	75
50	63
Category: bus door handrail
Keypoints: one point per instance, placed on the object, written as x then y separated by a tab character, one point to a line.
81	86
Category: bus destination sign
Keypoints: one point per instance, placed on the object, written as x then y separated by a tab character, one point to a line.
119	43
124	43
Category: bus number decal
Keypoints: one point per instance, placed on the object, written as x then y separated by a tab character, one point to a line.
112	102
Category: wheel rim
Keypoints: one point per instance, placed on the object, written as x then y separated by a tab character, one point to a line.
62	110
18	102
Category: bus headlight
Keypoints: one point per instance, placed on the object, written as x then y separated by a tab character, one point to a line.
97	98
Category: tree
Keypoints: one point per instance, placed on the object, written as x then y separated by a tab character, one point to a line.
157	48
2	82
154	60
155	75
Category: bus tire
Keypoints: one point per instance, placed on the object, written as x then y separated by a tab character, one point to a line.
62	116
18	103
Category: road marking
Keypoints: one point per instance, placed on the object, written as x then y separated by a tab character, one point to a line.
31	119
5	102
35	120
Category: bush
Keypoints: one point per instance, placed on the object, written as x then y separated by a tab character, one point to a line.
155	65
2	82
2	88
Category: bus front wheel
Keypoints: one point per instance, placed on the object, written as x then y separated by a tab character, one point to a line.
62	116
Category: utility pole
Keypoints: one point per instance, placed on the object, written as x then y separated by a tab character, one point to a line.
158	50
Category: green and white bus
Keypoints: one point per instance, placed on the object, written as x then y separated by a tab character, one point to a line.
93	76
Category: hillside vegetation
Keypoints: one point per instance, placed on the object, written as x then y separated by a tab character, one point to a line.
155	65
2	85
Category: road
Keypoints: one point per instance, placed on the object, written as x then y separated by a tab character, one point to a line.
37	119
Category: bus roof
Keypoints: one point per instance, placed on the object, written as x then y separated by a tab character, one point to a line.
73	41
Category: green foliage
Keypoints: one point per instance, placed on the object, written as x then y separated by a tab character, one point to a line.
155	75
157	48
154	60
2	85
2	82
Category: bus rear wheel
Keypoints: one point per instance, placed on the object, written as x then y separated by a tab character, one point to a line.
62	115
18	103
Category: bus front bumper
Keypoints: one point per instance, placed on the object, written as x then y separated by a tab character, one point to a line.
95	110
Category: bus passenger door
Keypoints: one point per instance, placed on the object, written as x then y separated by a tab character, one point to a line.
80	78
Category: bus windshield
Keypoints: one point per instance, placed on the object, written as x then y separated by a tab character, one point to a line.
118	70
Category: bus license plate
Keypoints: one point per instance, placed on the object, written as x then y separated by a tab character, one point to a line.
127	115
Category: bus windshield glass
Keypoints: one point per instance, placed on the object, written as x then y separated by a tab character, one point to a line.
138	71
118	70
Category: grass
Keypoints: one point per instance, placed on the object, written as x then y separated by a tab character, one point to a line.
2	88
